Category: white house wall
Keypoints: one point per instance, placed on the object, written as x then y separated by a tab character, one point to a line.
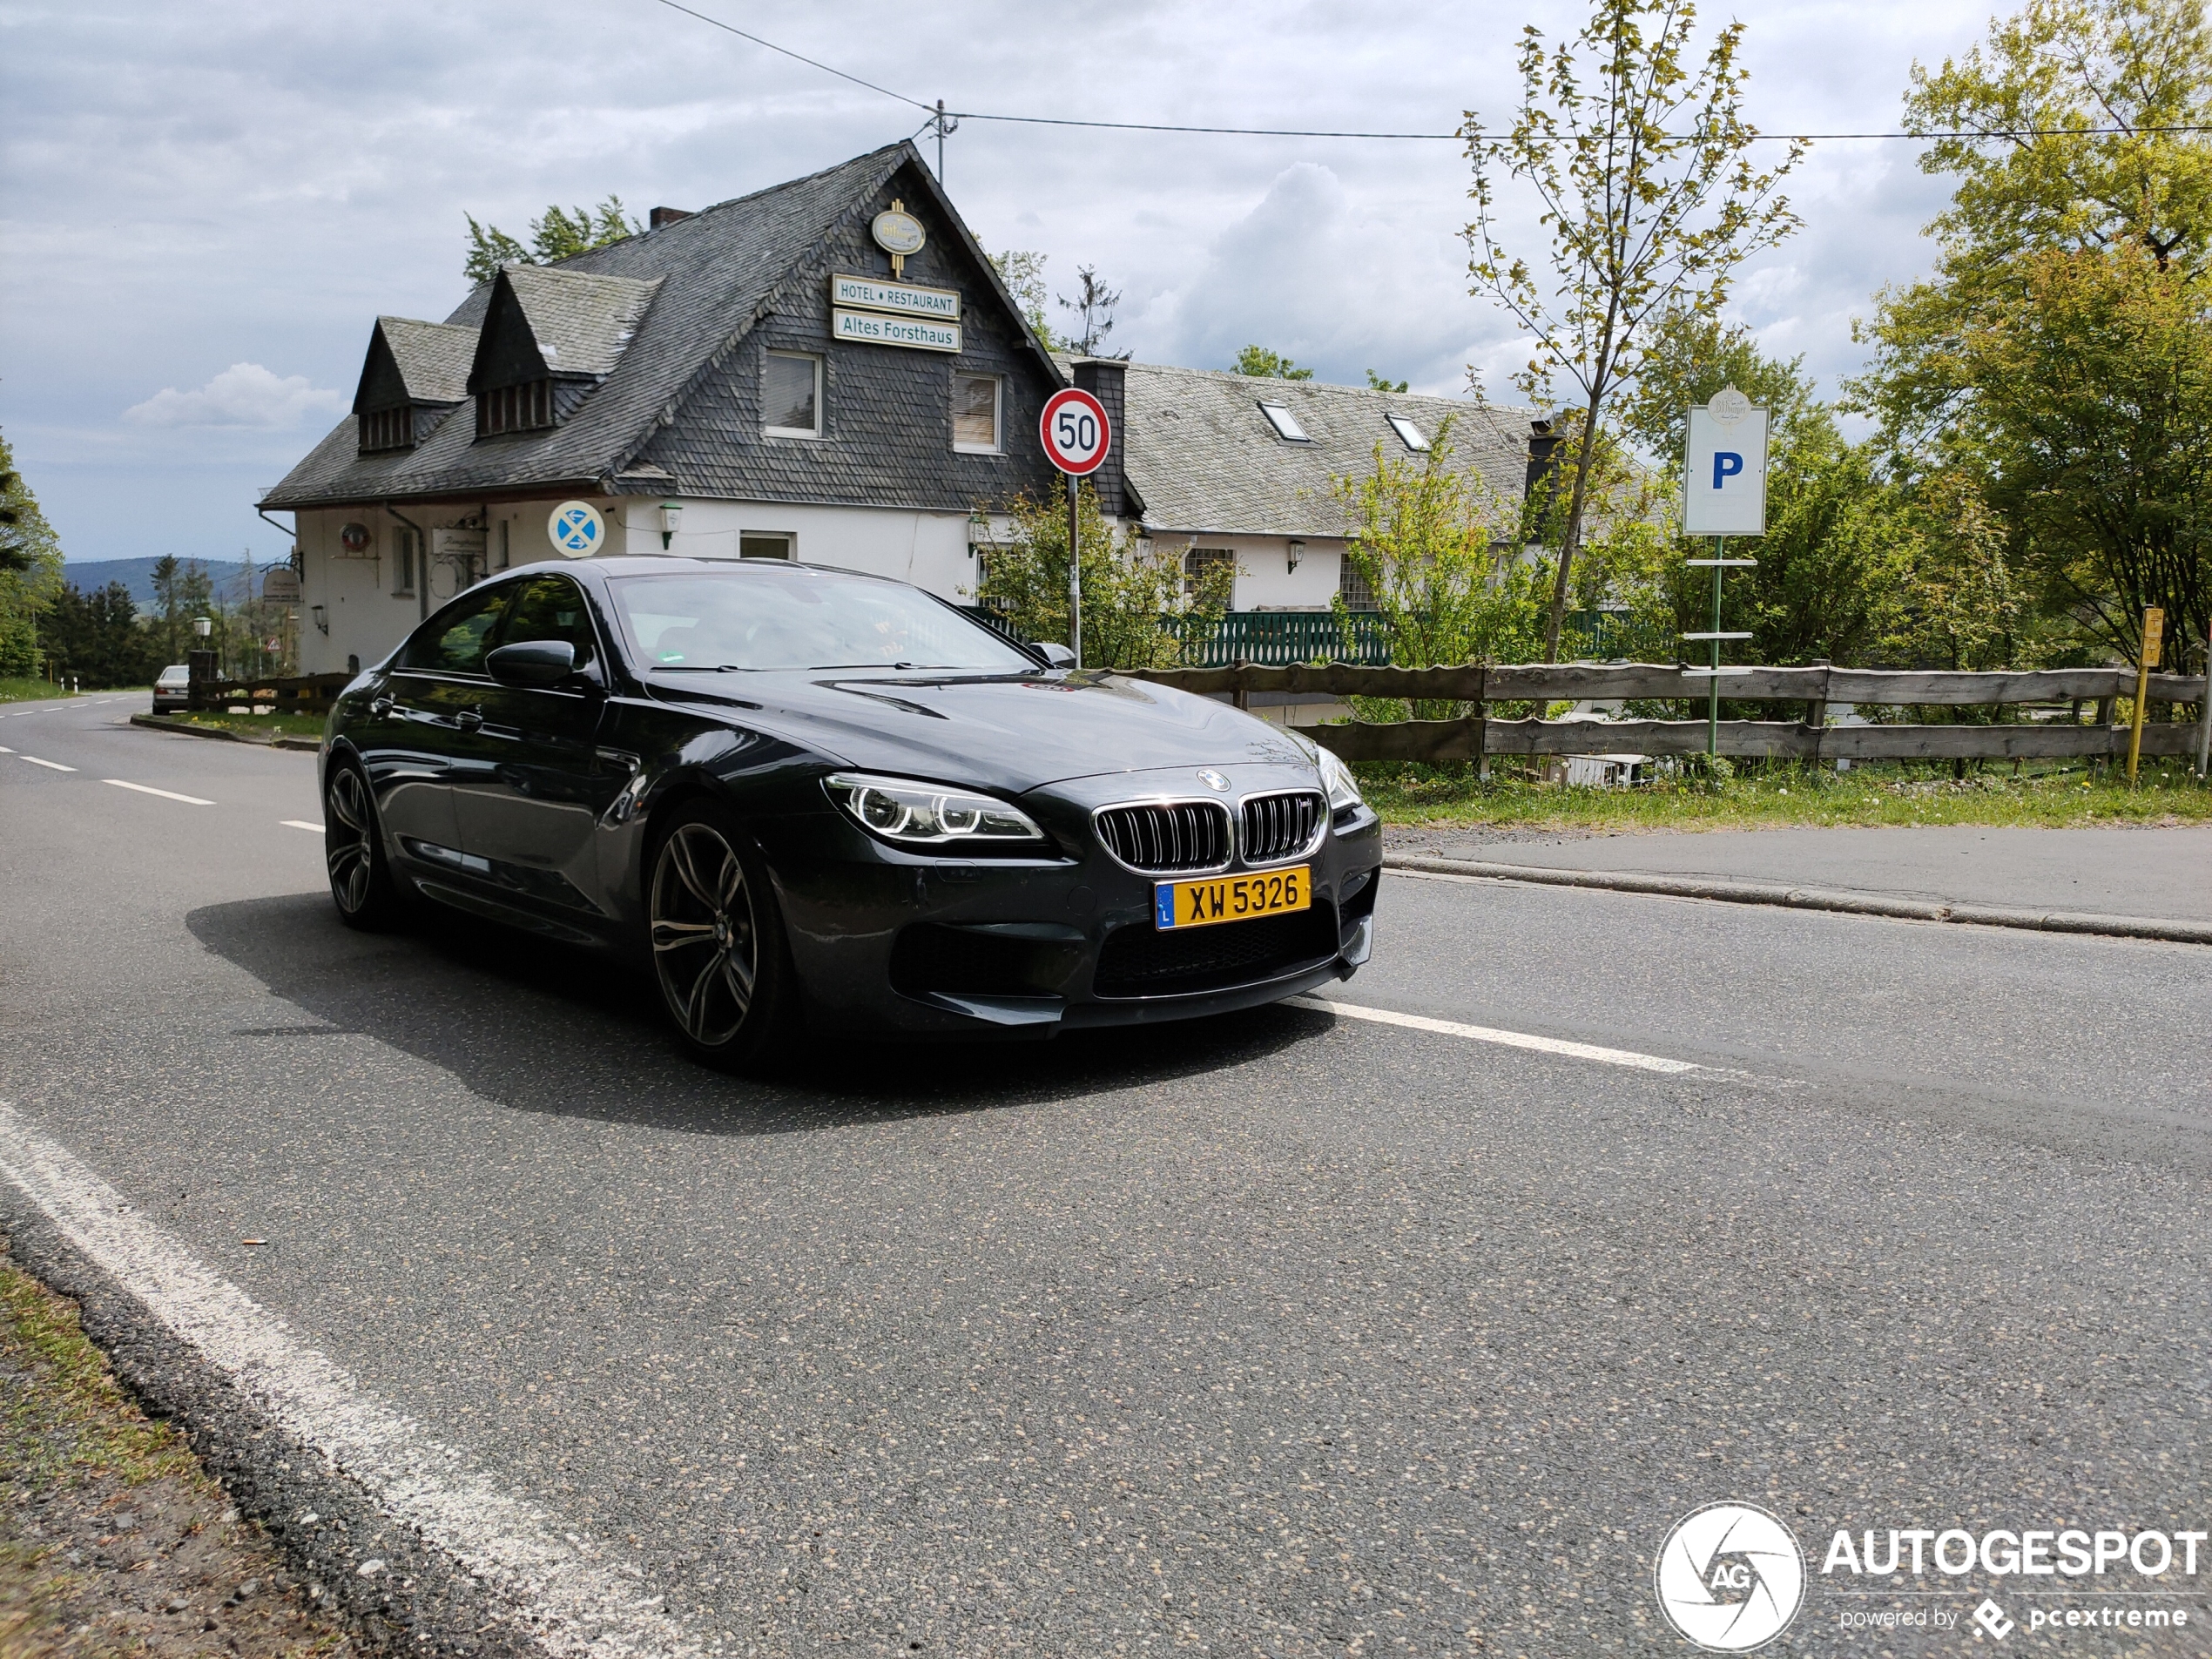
1265	580
365	620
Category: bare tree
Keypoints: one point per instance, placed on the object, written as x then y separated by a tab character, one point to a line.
1093	310
1641	169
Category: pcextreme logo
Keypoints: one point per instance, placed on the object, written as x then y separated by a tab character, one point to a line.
1729	1577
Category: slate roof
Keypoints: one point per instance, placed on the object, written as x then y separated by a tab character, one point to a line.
720	271
433	358
1203	459
581	322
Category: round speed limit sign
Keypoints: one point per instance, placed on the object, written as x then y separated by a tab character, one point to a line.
1075	433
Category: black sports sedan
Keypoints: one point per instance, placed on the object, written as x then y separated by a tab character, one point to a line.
814	798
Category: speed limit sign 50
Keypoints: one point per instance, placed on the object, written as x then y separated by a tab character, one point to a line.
1075	432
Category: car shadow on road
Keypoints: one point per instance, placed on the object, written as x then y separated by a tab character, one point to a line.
539	1027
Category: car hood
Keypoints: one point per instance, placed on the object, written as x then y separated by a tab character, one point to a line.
1008	734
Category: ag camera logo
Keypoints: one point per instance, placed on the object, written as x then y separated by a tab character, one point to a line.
1729	1577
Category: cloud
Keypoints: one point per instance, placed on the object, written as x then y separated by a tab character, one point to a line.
245	394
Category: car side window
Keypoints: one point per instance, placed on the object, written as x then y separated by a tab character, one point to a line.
453	641
551	607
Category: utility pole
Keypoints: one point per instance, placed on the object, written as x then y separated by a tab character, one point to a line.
945	123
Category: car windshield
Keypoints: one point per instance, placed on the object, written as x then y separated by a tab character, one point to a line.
785	619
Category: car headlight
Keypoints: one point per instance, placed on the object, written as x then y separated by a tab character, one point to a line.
915	815
1344	791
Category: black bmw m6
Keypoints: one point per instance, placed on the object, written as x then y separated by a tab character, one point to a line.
809	797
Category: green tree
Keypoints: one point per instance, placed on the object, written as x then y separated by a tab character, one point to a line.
95	638
1382	383
1259	361
1128	586
2057	358
30	570
2033	173
1435	547
1640	166
1022	271
558	234
182	590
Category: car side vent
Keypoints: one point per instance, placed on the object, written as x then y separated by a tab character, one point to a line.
1280	827
1158	840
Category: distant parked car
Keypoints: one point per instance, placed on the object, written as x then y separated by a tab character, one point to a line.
173	691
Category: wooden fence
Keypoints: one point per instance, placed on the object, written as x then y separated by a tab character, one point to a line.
291	694
2060	695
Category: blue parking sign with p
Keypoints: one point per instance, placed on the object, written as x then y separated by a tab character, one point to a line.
576	529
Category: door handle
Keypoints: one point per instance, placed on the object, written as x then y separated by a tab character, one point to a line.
470	719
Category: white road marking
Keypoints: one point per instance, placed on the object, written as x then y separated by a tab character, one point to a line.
51	765
575	1600
299	823
6	751
1505	1039
165	794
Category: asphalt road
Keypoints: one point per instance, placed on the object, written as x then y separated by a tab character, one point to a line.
1285	1334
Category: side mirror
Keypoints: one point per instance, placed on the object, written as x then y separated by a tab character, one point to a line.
1056	656
535	665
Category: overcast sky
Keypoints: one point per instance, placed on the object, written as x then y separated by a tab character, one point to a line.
203	207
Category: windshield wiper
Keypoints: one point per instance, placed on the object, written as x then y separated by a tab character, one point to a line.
703	668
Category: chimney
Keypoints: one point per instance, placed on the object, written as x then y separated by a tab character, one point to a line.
1104	378
661	216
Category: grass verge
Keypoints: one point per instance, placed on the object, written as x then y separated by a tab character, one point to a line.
113	1539
20	691
1779	797
254	725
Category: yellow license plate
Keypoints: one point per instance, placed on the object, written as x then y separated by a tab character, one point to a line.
1231	898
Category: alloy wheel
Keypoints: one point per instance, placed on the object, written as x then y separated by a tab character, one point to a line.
705	944
347	840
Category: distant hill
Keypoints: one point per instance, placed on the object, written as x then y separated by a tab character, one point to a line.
137	576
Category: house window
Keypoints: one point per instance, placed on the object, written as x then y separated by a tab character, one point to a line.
405	556
387	429
1353	586
753	545
1201	562
1285	423
1411	435
514	409
975	414
794	405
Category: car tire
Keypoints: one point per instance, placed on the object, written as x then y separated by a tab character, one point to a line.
716	933
362	884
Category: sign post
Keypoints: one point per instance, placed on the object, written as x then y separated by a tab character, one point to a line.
1724	494
2146	659
1076	435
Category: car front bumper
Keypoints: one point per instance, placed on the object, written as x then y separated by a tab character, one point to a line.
892	943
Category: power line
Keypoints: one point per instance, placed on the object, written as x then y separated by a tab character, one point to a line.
938	113
811	62
1771	137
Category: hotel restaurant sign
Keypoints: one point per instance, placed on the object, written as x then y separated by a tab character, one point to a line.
894	314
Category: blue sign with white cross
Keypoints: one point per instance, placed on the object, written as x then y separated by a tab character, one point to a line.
576	528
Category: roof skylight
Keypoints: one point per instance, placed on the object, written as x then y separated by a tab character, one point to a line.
1285	423
1415	438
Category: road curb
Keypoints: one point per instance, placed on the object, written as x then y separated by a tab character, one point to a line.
157	723
1856	903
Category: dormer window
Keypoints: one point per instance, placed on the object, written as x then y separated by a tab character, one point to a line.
1285	423
386	430
515	408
